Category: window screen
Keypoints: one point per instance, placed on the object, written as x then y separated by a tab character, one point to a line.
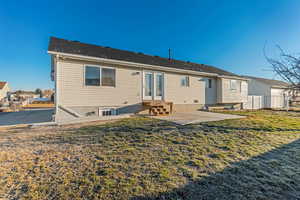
108	77
233	84
185	81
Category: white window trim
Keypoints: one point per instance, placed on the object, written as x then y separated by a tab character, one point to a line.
188	83
163	86
99	66
241	82
230	85
115	76
207	83
145	97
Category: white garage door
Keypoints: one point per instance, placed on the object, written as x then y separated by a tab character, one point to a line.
277	92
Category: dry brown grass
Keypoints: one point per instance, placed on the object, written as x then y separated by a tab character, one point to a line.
39	105
142	158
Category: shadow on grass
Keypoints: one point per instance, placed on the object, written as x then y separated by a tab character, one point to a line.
272	175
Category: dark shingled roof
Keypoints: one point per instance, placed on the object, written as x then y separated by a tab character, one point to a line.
2	84
78	48
272	82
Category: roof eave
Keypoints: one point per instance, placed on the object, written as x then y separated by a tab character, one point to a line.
235	77
280	87
132	64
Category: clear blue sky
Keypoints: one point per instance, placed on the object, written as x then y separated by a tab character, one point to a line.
229	34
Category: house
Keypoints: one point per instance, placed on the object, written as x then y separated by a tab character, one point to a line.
22	98
25	95
295	97
273	93
4	90
47	94
96	80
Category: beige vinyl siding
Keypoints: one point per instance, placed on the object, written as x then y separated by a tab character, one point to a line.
194	94
4	91
277	92
244	91
128	91
73	92
227	95
219	91
258	88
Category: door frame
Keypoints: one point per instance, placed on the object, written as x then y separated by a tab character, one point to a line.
154	96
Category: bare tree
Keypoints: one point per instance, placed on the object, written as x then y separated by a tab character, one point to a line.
287	67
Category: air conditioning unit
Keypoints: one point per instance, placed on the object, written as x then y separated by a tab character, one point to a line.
107	112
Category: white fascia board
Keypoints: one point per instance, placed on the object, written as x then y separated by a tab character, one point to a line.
279	87
133	64
234	77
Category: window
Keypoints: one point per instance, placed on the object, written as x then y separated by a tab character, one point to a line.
92	76
159	85
148	84
96	76
185	81
108	77
233	84
209	83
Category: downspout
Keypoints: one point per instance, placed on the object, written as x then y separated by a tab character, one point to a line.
56	87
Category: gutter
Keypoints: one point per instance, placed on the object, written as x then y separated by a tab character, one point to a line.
236	77
145	66
280	87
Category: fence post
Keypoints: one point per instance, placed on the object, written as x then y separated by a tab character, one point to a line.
287	101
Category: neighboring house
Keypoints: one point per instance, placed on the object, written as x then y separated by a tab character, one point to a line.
24	95
4	90
47	93
23	98
295	98
274	92
89	77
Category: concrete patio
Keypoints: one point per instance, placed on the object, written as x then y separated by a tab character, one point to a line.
184	118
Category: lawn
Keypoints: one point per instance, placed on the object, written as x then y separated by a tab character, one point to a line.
139	158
